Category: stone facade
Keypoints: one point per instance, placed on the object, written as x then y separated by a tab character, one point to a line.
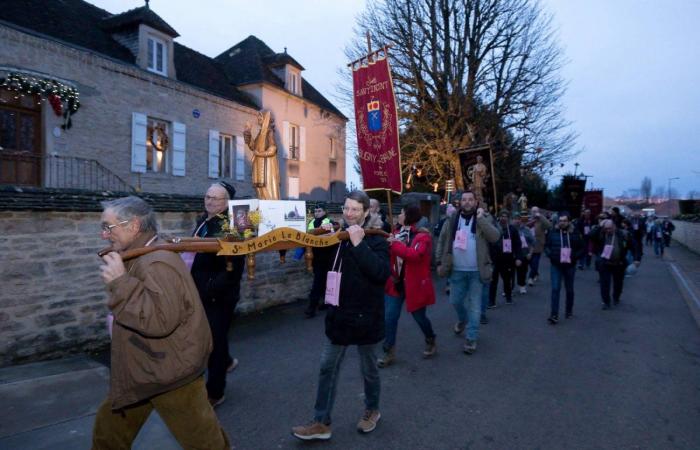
688	234
53	300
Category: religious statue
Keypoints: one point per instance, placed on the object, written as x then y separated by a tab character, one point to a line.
478	174
266	175
522	202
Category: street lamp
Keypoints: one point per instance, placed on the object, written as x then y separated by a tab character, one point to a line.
669	186
575	168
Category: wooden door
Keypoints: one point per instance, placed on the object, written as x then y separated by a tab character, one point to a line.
20	139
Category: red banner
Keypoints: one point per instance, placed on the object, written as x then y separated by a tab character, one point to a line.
593	200
377	126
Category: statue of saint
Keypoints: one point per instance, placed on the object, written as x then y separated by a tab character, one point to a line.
522	201
478	174
266	174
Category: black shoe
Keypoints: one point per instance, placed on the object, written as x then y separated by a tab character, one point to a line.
569	315
605	307
322	307
484	320
616	302
492	306
553	320
509	301
310	312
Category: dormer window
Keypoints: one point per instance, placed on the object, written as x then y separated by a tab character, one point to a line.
293	81
157	56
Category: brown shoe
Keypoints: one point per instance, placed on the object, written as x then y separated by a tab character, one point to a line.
312	431
368	421
231	367
459	327
430	347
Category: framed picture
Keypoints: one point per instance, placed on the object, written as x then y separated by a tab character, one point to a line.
238	213
475	166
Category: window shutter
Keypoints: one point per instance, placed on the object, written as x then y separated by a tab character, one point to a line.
302	143
139	129
240	159
293	187
285	140
214	153
179	144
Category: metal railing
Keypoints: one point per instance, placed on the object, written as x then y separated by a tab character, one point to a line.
68	172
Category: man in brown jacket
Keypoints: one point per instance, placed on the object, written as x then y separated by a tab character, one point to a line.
539	226
160	338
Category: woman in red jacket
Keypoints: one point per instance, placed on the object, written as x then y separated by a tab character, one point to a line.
411	250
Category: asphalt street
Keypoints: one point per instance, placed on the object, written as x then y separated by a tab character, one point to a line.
621	379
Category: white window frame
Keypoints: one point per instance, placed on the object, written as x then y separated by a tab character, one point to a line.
240	159
151	149
294	142
152	55
227	155
293	81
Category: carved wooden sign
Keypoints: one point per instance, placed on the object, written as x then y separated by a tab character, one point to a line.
277	239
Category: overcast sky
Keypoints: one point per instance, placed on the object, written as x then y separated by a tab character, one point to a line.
633	71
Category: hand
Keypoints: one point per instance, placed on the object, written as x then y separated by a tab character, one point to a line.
327	226
113	267
518	263
480	213
357	233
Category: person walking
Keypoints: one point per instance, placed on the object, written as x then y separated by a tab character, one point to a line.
527	242
463	256
322	258
356	318
613	244
563	246
506	256
658	233
160	338
411	280
584	225
218	281
539	226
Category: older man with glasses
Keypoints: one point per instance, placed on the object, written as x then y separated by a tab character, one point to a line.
160	338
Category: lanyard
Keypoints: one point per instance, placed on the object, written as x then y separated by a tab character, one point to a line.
561	237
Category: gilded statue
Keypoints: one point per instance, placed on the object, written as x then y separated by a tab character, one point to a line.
266	175
478	174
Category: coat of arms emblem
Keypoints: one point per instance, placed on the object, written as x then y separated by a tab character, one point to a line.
374	116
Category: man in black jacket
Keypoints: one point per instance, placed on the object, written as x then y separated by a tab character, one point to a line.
612	244
358	319
506	255
218	286
564	247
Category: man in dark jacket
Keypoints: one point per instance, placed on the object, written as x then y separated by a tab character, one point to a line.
613	245
564	247
321	260
358	319
584	225
506	255
218	280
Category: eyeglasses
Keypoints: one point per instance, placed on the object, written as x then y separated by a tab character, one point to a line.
357	210
108	228
209	197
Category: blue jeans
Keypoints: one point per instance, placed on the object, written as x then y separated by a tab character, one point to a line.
534	265
467	286
392	312
566	272
658	247
328	378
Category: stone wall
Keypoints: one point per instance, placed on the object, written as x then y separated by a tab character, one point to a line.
53	301
688	234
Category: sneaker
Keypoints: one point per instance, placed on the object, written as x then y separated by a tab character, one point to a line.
313	431
469	347
523	290
430	347
530	282
492	306
387	359
553	320
616	302
231	367
368	421
605	307
509	301
484	320
459	327
214	402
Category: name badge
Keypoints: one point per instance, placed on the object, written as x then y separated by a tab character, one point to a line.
586	230
658	235
635	226
565	255
507	246
461	239
332	288
607	251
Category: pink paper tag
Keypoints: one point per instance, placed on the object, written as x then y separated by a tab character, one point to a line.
565	255
635	226
586	230
461	240
507	246
523	241
607	251
188	257
110	323
333	288
658	235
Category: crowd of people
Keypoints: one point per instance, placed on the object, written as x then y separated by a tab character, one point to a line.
172	315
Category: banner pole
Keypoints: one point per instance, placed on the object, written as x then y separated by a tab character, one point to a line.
390	214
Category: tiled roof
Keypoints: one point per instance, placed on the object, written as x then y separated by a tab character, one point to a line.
136	16
250	61
79	23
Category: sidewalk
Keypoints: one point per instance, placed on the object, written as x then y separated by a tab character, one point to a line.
684	266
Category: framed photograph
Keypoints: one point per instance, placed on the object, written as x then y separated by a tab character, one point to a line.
477	175
238	213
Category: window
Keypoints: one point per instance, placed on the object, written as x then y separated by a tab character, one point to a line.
157	146
294	140
240	160
226	156
293	185
332	152
157	55
293	81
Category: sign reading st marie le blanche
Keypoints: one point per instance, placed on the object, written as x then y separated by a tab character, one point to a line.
273	214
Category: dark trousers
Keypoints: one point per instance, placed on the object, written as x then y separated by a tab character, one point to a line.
616	274
504	269
318	287
220	315
521	273
566	273
535	265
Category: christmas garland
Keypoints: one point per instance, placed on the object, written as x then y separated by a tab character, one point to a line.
64	99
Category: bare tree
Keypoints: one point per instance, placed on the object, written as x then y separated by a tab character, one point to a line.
659	193
469	72
645	191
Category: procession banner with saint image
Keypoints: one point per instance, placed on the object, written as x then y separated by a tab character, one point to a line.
475	166
377	125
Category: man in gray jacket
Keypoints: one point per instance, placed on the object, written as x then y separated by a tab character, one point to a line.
463	256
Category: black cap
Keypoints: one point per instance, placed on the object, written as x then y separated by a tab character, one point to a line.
321	205
230	189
